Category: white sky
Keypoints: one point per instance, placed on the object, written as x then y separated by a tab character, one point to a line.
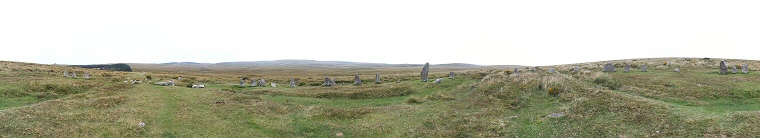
524	32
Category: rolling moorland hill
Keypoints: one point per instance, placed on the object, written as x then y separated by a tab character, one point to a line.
37	101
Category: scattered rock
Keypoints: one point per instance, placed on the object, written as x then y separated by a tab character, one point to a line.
439	80
424	72
339	134
723	68
555	115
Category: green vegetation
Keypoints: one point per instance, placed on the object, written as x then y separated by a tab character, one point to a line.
37	101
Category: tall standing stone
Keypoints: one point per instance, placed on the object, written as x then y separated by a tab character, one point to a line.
292	83
723	68
424	72
733	70
644	68
745	68
627	68
551	70
357	80
66	73
377	78
451	75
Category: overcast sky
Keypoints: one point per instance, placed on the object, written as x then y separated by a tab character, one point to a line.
497	32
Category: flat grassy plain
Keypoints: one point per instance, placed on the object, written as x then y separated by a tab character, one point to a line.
38	101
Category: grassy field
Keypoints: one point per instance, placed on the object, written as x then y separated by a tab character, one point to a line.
38	101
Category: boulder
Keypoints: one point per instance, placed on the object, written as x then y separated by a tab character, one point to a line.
424	73
723	68
439	80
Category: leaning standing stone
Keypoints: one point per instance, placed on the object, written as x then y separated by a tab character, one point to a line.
377	78
745	68
451	75
723	68
627	68
733	70
424	72
357	80
644	68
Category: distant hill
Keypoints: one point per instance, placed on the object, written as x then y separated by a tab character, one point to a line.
300	63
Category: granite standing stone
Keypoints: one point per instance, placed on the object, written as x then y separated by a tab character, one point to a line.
533	69
424	72
644	68
66	73
575	69
292	83
723	68
551	70
332	82
608	68
253	83
678	70
87	75
745	68
451	75
274	85
327	82
74	74
627	68
179	78
242	82
357	80
377	78
517	71
733	69
262	83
